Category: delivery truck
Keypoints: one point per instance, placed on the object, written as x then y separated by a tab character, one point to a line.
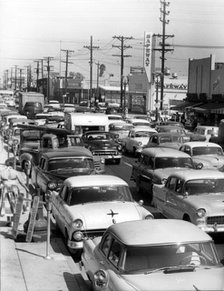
25	97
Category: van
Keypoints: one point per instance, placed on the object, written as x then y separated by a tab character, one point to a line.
79	123
30	109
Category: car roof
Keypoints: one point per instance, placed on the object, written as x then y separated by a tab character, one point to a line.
144	128
192	174
202	144
74	151
157	231
164	152
94	180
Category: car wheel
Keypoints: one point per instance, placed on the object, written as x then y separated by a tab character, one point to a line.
150	193
186	218
124	149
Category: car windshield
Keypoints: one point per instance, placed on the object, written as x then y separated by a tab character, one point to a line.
140	123
99	136
206	150
200	186
170	162
70	163
100	194
149	259
143	134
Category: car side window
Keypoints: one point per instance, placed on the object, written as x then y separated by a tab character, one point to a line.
115	253
105	247
64	193
179	186
172	183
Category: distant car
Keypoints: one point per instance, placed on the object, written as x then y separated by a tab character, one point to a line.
165	139
86	206
159	254
120	128
155	164
171	129
195	196
138	122
103	143
209	154
137	138
207	131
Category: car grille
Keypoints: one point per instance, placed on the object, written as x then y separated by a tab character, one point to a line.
93	233
215	220
105	153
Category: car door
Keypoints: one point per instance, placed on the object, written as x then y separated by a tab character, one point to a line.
130	140
174	206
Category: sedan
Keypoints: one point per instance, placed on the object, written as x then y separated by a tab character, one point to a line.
87	205
159	254
195	196
207	153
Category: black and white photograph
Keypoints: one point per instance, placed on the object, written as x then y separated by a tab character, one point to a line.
111	145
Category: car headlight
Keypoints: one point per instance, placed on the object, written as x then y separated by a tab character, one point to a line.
119	147
201	212
101	279
139	143
77	236
78	223
52	185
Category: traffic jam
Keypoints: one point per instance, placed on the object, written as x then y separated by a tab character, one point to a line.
137	199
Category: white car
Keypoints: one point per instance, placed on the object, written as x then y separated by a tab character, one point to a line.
138	122
209	154
137	138
87	205
195	196
155	255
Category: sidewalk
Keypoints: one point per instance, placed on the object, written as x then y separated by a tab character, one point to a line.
29	267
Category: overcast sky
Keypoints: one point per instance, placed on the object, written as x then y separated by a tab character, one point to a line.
34	29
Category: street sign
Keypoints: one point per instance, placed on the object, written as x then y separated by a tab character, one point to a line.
17	215
33	214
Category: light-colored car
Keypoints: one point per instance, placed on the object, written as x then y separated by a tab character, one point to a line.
155	164
120	128
195	196
160	254
138	122
137	138
87	205
207	131
207	153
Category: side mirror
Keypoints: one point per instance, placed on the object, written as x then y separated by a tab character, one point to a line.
141	202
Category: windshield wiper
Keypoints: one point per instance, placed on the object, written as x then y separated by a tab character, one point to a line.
173	269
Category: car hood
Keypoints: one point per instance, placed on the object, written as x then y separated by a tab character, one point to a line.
166	172
100	215
199	279
213	202
173	145
216	161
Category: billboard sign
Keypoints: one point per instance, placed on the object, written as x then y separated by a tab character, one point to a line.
148	54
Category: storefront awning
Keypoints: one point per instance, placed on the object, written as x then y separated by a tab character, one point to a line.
210	108
183	105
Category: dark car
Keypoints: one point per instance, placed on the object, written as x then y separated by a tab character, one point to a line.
103	143
30	109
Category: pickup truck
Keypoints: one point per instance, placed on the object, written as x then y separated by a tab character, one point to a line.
35	140
55	166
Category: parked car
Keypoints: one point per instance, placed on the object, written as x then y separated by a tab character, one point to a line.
137	138
138	122
195	196
86	206
209	154
160	254
103	143
155	164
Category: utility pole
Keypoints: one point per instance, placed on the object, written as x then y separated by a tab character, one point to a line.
91	48
37	72
122	47
15	77
28	77
66	72
20	79
163	44
48	76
